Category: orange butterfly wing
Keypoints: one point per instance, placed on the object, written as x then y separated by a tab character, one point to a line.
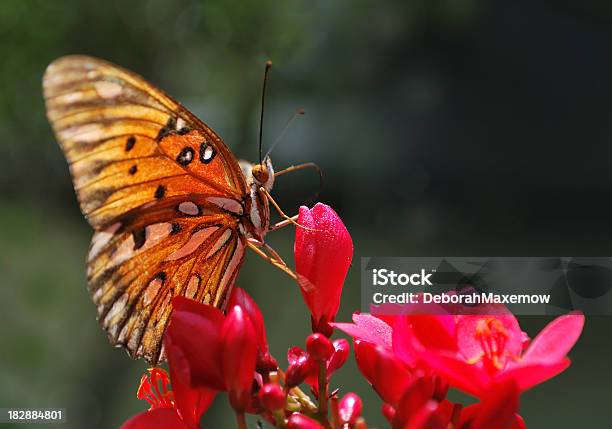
161	189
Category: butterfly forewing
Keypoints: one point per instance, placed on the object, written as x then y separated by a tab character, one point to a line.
128	143
162	191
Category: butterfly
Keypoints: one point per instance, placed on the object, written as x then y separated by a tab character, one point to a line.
172	208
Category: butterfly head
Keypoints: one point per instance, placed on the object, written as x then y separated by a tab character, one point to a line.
263	174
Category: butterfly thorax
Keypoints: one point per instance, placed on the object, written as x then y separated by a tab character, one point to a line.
257	222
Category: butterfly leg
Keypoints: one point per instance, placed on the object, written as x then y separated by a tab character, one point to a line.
281	212
276	262
283	223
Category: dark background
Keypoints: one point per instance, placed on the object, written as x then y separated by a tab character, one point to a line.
447	128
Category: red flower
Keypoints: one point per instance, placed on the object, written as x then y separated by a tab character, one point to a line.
323	254
496	411
387	374
272	397
471	352
418	410
349	409
303	367
300	421
181	408
238	357
265	362
468	351
208	349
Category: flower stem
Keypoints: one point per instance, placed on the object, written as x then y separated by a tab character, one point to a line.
335	423
323	392
241	420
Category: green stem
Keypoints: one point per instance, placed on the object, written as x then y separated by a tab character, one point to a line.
241	420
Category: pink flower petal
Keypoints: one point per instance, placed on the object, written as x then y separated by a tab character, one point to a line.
529	375
458	373
367	328
555	340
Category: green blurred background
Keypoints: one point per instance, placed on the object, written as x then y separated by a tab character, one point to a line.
455	127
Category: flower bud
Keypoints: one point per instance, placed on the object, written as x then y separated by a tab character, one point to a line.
323	251
301	365
349	409
300	421
319	347
266	363
297	372
341	352
239	355
388	411
272	397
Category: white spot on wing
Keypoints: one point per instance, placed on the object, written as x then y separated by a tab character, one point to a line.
97	295
134	338
124	252
219	243
106	89
206	299
124	332
71	97
194	242
192	286
189	208
116	309
208	153
84	133
229	271
155	233
101	239
151	291
180	123
226	204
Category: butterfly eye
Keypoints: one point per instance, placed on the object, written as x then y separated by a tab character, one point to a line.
260	173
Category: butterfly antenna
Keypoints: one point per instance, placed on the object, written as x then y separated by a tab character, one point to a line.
299	112
263	98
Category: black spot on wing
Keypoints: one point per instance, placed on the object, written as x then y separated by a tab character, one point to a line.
169	128
129	144
185	156
139	236
160	192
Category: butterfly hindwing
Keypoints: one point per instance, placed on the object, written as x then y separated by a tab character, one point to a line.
136	268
